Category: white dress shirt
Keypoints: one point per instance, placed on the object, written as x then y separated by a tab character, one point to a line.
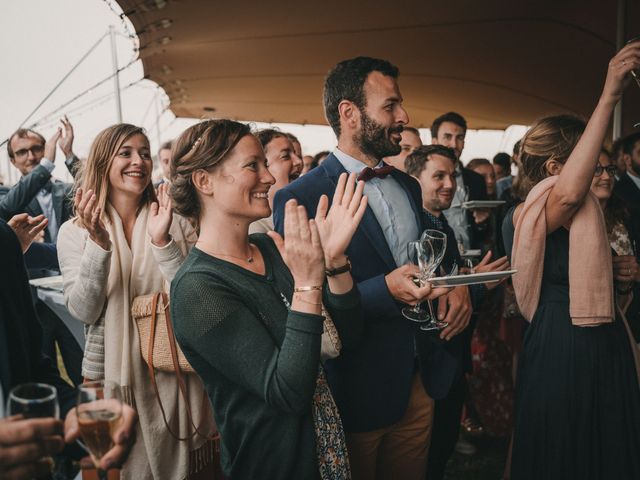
391	206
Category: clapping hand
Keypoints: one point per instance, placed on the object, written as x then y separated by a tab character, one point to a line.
160	217
89	214
65	141
50	146
27	228
336	225
301	248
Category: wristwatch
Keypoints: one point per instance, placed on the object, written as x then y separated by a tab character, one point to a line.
337	271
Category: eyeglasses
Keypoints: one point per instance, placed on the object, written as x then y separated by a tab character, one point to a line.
23	152
611	170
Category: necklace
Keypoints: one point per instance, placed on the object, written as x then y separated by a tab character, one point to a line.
248	259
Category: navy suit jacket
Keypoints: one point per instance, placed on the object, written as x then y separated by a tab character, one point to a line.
371	383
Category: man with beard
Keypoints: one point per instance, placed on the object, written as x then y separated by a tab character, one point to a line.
283	163
384	387
409	141
450	130
628	185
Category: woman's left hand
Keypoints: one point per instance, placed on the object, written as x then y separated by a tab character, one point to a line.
160	217
337	225
625	268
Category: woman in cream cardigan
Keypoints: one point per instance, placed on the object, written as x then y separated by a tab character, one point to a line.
125	242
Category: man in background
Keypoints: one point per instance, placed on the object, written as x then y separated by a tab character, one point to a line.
450	130
409	141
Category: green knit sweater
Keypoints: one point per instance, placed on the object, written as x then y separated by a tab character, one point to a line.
258	361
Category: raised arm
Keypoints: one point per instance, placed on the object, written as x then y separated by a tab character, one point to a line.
575	176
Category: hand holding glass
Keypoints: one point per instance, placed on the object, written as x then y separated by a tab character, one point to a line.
434	244
99	415
417	256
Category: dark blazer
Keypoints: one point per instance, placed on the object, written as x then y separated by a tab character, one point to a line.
21	197
477	191
21	356
628	192
371	383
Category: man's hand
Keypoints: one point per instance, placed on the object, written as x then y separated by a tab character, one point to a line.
25	444
66	141
480	215
50	146
27	228
402	287
455	309
123	437
498	265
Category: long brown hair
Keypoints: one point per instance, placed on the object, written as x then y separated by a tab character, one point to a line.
94	172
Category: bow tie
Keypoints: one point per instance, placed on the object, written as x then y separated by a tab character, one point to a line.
379	172
46	188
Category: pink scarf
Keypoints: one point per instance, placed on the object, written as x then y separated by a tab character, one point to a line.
590	268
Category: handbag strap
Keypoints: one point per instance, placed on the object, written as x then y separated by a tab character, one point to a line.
174	356
176	364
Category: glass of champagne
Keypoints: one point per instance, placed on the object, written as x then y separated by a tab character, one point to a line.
418	257
99	415
434	243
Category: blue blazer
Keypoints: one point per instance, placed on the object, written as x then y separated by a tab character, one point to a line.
371	383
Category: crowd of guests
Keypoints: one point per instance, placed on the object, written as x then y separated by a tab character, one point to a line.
287	275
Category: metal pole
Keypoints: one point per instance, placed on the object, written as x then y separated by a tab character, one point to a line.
116	75
155	101
620	34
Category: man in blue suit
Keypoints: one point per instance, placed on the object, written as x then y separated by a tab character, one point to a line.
385	387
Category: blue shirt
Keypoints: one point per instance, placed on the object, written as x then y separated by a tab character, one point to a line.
390	205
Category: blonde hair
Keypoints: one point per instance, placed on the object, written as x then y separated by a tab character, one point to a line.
550	138
94	172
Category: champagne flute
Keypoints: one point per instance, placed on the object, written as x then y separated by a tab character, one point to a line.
99	415
417	256
437	242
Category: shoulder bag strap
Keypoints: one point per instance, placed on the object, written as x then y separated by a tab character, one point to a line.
152	372
176	365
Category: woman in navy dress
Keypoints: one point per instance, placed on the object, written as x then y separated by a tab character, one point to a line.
577	397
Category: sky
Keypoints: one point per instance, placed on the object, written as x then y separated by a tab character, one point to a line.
42	40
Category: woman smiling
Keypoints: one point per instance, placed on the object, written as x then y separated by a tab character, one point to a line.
125	243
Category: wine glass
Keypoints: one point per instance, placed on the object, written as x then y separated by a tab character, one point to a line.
33	400
437	242
417	256
99	415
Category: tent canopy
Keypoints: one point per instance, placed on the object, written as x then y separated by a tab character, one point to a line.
496	62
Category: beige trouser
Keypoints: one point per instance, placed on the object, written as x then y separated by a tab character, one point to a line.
397	451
